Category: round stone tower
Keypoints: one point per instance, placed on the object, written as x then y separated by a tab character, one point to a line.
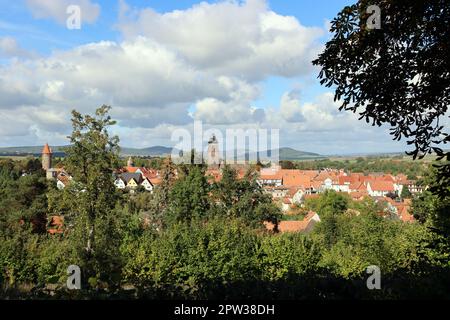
46	157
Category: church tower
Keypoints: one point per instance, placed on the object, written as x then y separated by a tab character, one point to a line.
213	155
130	162
46	157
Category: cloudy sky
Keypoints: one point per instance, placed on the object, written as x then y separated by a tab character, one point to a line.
163	64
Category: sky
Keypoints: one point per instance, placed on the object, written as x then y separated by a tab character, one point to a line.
163	64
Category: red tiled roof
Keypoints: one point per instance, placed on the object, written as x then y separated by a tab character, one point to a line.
376	185
356	195
64	179
358	186
156	181
292	226
288	226
309	216
404	215
316	184
309	173
295	178
293	190
345	180
131	169
269	176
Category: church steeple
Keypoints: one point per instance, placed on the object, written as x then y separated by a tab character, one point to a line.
213	156
130	162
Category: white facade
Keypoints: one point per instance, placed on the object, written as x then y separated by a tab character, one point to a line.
298	196
147	185
376	193
60	185
120	184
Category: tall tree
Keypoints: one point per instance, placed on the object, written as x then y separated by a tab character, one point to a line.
91	160
189	196
397	75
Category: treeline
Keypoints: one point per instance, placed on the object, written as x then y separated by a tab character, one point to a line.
412	169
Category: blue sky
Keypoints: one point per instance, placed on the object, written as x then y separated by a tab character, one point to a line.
248	64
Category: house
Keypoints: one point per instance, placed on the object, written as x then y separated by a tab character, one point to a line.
295	178
404	215
302	226
133	183
286	204
413	187
147	184
379	188
128	180
296	195
334	184
62	182
270	179
276	192
357	187
120	183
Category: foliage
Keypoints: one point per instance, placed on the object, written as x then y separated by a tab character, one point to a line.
405	194
433	209
91	160
243	198
397	75
189	197
189	258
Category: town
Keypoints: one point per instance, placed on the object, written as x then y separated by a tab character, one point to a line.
289	188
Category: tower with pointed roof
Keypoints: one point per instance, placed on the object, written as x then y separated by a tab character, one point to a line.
213	156
46	157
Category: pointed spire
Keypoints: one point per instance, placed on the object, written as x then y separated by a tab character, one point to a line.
46	149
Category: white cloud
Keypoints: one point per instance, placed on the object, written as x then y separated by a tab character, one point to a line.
57	10
246	39
290	107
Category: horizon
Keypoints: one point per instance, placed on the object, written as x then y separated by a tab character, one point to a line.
239	150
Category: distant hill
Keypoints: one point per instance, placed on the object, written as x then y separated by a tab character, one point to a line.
292	154
151	151
58	150
30	151
284	153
